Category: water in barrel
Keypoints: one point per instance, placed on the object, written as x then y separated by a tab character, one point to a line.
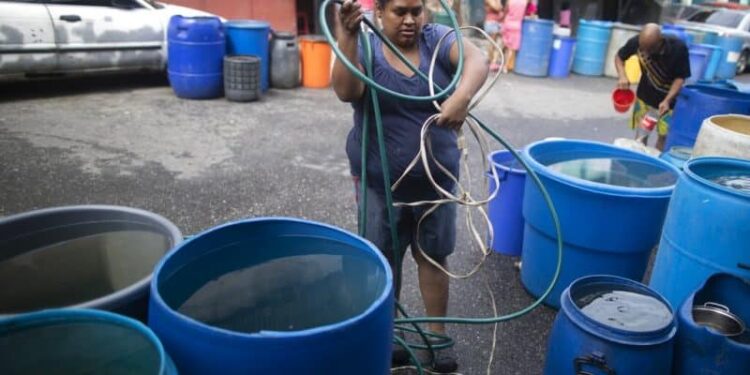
617	172
623	309
317	282
740	183
77	270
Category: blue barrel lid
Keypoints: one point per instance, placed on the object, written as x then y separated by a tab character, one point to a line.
654	336
567	150
247	24
706	170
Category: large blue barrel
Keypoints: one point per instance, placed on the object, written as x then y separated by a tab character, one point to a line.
75	341
611	325
696	103
562	57
710	37
97	257
536	47
732	50
248	37
196	48
713	61
591	51
706	230
677	32
611	203
700	350
699	59
677	156
275	296
505	210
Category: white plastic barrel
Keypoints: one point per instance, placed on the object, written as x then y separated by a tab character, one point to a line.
724	135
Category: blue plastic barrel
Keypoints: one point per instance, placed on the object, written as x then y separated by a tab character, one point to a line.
713	61
275	296
562	56
505	210
677	32
677	156
536	47
696	103
248	37
698	63
702	350
611	325
75	341
706	230
731	51
710	37
591	51
98	257
611	203
723	84
196	48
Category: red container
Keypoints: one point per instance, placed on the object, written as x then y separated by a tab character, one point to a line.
623	99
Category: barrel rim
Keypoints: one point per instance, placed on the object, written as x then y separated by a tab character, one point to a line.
538	20
246	24
597	23
714	91
574	313
688	169
51	316
275	335
599	188
133	291
726	130
685	315
505	167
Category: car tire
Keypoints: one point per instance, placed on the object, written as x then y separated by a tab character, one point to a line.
742	63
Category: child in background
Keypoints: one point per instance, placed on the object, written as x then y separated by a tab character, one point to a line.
514	14
531	9
492	25
565	14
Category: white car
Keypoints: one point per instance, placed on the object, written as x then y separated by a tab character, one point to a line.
40	37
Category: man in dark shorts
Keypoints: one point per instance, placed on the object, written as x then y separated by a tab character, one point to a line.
402	22
665	64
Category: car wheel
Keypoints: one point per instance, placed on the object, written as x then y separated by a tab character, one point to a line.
743	62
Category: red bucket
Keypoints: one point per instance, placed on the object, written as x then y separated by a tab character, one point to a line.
623	99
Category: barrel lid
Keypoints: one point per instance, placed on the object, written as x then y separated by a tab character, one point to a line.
247	24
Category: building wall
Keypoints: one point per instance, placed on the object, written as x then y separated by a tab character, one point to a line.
282	14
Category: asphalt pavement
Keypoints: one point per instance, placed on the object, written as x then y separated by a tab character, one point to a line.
127	140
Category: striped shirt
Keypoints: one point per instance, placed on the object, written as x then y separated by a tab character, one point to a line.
660	69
